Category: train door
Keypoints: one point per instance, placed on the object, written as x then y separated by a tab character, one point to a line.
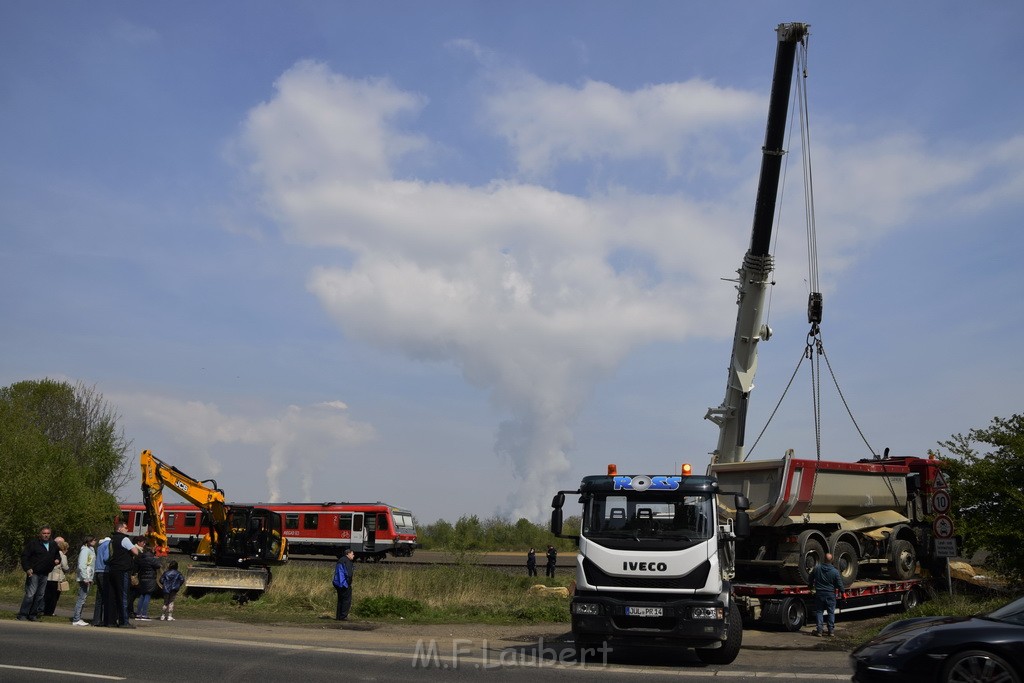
140	523
351	526
370	537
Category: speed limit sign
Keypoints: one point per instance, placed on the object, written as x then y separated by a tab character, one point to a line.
940	501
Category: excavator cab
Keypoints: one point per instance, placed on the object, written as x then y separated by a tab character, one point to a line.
249	536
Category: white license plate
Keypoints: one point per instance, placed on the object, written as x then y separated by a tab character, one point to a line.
644	611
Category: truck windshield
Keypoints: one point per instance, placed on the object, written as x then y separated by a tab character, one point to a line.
648	515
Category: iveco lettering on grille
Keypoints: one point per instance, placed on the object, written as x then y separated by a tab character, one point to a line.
645	483
645	566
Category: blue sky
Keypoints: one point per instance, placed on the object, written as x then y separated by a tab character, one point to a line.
456	255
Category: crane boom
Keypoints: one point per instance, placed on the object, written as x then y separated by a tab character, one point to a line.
754	275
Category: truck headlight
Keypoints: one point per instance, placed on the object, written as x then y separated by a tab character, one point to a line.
585	608
707	613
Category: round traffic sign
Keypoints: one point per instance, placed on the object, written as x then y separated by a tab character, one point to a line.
941	502
943	527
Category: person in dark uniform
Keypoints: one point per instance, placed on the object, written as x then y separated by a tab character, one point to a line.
552	561
531	563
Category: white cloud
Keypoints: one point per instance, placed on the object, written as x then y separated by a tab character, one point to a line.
536	294
546	124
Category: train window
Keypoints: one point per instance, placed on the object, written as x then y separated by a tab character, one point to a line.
291	521
190	518
310	521
382	522
357	523
171	518
345	522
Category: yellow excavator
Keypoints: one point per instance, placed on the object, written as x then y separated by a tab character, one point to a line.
242	542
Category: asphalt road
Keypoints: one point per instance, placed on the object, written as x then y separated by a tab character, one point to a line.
224	651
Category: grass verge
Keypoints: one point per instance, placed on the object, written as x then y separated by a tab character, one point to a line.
302	593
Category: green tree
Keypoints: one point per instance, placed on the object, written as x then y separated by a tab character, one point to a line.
987	487
62	459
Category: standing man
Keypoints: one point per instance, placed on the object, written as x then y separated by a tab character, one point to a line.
552	561
343	583
100	612
119	569
531	563
38	559
825	580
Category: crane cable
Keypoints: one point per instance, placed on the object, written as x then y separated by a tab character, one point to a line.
814	349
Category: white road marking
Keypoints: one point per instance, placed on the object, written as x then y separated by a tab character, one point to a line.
80	674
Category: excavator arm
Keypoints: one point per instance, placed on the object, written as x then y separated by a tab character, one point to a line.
155	475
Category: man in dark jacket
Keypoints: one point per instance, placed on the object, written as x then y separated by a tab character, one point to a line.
343	572
38	559
825	580
119	569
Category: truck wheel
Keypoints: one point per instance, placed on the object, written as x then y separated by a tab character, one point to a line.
902	560
731	647
811	553
846	562
794	614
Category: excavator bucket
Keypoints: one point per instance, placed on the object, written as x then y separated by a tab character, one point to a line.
227	578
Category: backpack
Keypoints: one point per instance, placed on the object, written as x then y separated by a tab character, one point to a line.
172	581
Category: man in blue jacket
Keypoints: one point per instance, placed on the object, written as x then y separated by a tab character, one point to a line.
825	580
38	559
343	572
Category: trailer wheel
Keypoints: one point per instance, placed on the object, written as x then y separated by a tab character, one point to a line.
794	614
902	560
910	600
846	562
731	647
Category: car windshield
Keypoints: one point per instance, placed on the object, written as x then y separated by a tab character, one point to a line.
1012	613
644	515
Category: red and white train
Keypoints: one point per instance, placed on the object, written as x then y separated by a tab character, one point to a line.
372	530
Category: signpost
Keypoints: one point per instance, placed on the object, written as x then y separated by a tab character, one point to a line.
942	526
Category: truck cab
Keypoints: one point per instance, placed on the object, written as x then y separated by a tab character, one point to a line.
654	564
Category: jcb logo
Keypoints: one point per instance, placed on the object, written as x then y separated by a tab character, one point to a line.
182	485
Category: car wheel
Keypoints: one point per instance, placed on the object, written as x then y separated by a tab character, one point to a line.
971	666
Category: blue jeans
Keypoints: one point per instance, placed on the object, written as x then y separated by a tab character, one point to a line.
142	610
83	593
35	592
825	601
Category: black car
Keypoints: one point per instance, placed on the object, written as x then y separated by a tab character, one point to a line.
985	647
